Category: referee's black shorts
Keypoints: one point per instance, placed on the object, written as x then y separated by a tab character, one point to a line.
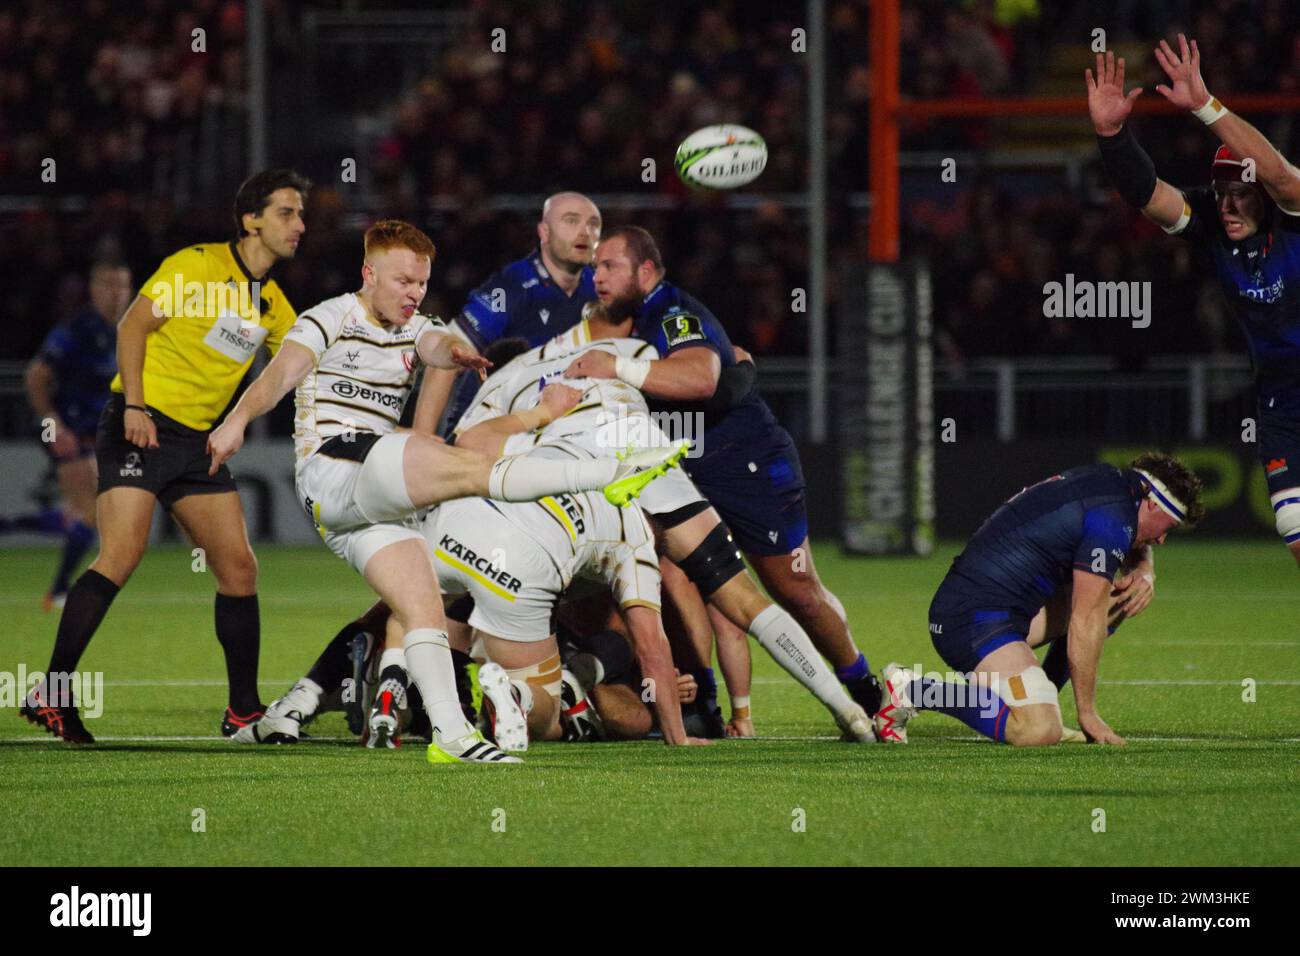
176	468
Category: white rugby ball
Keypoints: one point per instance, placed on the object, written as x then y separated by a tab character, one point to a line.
721	157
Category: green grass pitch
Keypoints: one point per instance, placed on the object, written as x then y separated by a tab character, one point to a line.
1207	778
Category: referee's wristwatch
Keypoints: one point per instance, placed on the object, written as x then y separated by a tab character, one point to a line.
138	408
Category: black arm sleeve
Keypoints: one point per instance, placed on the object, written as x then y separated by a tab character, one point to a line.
734	383
1128	166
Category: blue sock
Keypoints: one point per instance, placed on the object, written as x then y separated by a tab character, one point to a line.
708	684
76	542
855	671
979	708
45	521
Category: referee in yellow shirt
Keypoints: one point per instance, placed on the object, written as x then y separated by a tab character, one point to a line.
182	349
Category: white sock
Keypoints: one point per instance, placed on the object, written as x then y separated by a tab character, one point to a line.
304	697
392	656
788	644
529	477
525	696
428	661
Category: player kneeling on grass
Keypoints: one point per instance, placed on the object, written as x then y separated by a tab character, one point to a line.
352	359
1074	530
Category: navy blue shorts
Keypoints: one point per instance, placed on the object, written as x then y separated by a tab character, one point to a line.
963	636
1279	448
758	490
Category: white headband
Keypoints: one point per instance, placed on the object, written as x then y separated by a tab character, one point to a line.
1165	498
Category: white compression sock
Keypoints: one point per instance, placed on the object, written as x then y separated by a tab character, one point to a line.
428	661
303	697
392	656
529	477
778	634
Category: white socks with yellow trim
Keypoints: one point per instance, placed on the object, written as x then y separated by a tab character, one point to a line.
778	634
529	477
428	661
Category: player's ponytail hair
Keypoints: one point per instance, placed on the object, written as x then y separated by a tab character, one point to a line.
396	234
1178	478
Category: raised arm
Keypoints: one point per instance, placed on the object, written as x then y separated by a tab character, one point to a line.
1187	90
442	350
1126	162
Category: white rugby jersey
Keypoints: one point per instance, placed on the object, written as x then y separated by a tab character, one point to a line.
585	535
518	385
363	374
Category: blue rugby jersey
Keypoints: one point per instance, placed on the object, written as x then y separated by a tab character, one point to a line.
672	320
520	300
83	353
1083	519
1260	277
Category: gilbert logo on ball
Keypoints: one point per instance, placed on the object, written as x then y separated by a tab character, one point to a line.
721	157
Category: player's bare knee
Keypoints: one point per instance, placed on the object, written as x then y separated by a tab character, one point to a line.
803	598
544	720
236	573
1034	726
1035	718
117	560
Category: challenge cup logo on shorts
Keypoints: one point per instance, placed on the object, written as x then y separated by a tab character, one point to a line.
131	467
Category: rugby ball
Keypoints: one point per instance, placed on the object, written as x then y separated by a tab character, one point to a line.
721	157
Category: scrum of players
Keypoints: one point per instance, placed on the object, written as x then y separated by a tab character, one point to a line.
554	568
553	608
550	597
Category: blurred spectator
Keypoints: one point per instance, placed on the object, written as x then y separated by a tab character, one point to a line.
148	137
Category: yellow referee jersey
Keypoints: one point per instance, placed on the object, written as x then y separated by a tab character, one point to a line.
218	317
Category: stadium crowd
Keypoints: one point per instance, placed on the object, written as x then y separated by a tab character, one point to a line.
146	131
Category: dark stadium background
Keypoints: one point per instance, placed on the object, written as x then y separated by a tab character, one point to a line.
151	139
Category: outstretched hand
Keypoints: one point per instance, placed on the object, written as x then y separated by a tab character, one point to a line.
464	358
1107	103
1187	89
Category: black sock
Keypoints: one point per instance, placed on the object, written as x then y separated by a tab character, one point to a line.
334	665
240	634
87	603
1057	662
76	542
